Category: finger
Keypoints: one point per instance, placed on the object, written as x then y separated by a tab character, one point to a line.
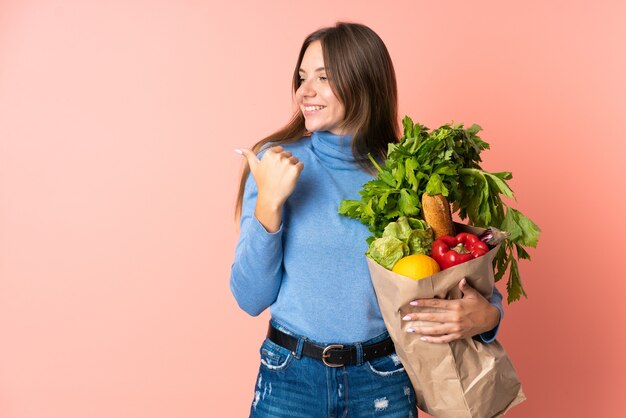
466	288
436	334
429	317
440	340
435	303
430	330
253	160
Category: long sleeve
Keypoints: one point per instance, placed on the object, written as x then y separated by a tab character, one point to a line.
495	300
256	272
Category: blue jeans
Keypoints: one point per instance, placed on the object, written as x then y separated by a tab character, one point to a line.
291	385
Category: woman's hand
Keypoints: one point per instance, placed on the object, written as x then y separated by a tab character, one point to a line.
276	175
458	318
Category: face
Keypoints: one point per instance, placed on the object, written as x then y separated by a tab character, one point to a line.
321	109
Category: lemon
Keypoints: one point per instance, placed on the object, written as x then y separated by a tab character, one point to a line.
416	266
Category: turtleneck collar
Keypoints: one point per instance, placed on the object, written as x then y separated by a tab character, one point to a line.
333	149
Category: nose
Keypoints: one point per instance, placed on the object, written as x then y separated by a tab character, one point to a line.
306	89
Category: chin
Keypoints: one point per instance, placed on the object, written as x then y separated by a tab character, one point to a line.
313	128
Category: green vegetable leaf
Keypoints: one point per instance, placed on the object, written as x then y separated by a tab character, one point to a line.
420	241
504	175
436	186
499	185
514	285
388	178
501	262
511	226
408	202
474	129
398	173
411	165
530	231
418	224
407	124
351	208
401	238
382	201
521	252
386	251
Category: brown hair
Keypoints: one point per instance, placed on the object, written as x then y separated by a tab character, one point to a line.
361	75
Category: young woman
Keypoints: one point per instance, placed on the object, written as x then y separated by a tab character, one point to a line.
328	353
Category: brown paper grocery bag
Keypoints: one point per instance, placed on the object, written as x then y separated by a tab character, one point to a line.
462	379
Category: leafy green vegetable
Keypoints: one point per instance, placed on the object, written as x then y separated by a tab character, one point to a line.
404	237
420	241
444	161
387	251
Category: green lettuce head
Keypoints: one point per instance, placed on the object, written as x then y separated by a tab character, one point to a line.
403	237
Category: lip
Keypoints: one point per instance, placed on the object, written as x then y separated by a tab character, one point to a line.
311	112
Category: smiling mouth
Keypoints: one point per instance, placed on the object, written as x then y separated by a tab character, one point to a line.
313	108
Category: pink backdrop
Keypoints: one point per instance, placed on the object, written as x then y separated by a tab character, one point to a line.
118	121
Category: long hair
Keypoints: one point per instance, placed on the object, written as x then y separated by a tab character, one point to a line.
361	76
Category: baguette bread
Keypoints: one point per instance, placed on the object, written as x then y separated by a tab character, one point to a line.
437	214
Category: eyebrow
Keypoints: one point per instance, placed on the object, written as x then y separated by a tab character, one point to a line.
317	70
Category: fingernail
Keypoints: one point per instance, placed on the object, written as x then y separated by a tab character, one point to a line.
410	330
414	303
406	318
423	338
238	151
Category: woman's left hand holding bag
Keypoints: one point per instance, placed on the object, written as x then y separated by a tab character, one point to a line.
458	318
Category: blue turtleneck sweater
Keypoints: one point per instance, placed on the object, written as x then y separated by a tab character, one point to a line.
312	272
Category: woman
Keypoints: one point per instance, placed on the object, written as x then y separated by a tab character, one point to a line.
328	352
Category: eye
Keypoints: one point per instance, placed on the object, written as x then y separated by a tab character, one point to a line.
323	78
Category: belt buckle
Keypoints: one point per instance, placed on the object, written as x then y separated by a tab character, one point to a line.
326	354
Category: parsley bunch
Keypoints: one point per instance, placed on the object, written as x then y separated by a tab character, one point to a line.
445	161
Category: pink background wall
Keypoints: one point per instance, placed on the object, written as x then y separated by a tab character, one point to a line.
117	184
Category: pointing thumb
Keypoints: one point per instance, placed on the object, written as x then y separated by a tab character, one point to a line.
253	160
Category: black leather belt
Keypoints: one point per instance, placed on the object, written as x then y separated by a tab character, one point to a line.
333	355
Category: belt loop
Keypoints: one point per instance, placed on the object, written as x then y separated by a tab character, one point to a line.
359	354
298	353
